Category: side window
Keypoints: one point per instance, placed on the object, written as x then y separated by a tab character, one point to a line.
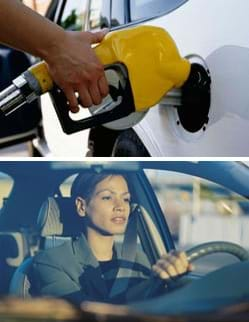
142	9
199	211
99	14
6	185
74	15
117	13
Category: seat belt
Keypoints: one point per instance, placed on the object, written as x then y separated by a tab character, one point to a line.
128	255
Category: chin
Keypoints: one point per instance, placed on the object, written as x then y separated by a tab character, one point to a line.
118	231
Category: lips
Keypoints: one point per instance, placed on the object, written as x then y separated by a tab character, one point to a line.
119	220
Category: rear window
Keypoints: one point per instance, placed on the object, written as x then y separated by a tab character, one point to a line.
142	9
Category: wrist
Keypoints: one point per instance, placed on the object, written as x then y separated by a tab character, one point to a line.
50	49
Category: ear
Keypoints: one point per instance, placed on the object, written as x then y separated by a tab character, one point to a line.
80	204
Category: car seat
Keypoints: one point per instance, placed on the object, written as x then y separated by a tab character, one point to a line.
56	224
15	248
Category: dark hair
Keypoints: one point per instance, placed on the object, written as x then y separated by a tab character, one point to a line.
85	183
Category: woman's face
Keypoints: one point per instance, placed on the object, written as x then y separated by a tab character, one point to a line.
109	207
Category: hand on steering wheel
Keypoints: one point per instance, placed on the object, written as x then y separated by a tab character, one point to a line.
166	269
172	265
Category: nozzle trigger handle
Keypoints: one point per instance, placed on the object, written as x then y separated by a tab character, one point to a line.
70	126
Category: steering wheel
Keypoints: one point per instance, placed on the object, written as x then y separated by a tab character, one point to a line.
201	251
217	247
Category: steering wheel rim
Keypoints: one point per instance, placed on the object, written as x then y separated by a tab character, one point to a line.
202	250
217	247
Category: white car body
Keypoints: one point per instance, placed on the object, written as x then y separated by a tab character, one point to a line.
218	31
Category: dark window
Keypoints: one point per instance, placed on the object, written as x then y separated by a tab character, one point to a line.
74	15
142	9
99	14
118	14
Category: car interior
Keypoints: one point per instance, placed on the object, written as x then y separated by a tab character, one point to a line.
55	222
38	213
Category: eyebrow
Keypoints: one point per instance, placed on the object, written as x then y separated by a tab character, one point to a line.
112	192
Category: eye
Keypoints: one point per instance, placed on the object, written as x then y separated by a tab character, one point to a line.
106	198
128	200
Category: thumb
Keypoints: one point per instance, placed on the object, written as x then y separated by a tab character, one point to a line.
97	37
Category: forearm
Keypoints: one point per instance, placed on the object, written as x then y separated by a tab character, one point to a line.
72	63
24	29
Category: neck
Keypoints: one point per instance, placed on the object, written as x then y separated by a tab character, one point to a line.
101	246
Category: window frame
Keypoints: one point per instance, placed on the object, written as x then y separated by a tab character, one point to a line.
127	15
141	20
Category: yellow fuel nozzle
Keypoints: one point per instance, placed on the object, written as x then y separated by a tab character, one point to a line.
150	55
153	67
152	59
42	77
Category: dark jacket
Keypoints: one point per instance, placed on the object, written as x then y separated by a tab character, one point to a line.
71	271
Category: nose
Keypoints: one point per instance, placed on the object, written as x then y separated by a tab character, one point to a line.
119	205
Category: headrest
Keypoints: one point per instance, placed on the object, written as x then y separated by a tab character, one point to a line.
58	217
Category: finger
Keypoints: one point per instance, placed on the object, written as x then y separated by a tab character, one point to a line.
184	259
160	272
103	86
178	264
85	97
72	100
95	94
96	37
167	267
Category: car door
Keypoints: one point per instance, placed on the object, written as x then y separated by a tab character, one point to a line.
221	46
215	49
189	24
129	143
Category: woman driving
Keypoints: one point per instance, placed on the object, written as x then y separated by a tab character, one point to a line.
88	267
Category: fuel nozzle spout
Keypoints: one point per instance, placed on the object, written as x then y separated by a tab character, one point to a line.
8	97
25	88
14	96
